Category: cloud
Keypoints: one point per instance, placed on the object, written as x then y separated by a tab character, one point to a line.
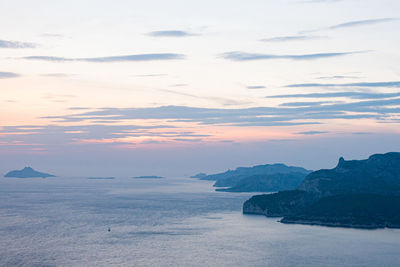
311	132
338	77
244	56
381	110
14	44
351	24
52	35
390	84
318	1
5	75
57	75
170	123
303	104
151	75
291	38
170	33
352	95
125	58
361	133
255	87
178	85
358	23
220	100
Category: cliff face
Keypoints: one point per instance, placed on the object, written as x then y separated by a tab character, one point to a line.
356	193
279	204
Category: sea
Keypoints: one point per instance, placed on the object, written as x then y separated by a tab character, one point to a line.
76	221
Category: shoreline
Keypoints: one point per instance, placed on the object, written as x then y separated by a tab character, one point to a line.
327	224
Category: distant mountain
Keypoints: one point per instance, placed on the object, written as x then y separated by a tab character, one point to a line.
356	193
199	175
260	178
232	177
27	172
267	183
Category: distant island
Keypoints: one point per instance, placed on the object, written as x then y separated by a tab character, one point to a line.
260	178
356	193
148	177
101	178
27	172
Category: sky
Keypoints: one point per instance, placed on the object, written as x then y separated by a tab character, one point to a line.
179	87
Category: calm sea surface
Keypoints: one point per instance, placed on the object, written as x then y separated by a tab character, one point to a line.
165	222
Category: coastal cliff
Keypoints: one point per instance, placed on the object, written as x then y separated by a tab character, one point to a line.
356	193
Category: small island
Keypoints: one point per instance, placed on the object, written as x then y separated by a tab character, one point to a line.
101	178
148	177
356	193
27	172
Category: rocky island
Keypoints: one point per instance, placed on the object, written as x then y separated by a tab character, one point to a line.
356	193
27	172
260	178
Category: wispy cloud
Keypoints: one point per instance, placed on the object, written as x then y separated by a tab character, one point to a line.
303	104
5	75
244	56
15	44
52	35
311	132
358	23
389	84
57	75
352	24
168	123
378	109
178	85
151	75
125	58
334	77
318	1
352	95
291	38
220	100
171	33
255	87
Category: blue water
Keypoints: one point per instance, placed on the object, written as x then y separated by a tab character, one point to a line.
165	222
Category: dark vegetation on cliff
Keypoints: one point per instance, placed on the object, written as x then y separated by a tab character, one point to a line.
357	193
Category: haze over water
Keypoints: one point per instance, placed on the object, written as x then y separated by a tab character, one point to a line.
165	222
